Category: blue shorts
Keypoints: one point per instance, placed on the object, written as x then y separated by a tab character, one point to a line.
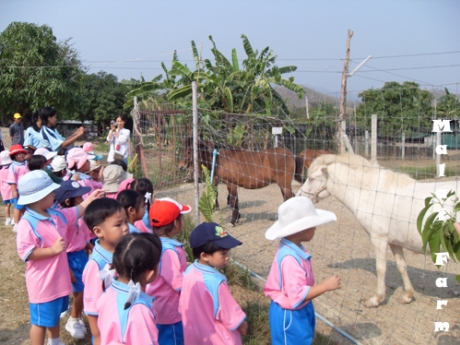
16	205
47	314
7	202
172	334
77	263
292	327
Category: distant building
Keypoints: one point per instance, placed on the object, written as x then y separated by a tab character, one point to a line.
67	127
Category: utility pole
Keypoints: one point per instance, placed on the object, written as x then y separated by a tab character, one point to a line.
343	98
306	107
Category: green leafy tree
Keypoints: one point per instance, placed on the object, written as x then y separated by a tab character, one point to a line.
448	106
101	98
226	86
36	70
400	107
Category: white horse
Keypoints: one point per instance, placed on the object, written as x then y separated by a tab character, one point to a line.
385	203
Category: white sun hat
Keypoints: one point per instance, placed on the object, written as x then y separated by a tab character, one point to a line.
295	215
58	164
5	157
45	153
34	186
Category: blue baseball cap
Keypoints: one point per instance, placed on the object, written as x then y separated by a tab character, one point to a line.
69	189
212	232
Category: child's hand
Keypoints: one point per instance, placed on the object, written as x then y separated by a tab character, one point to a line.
243	329
332	283
89	248
72	276
58	246
97	194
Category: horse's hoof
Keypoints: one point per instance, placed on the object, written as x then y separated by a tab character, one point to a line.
405	299
372	302
230	225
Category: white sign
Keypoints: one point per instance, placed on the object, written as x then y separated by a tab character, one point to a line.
277	130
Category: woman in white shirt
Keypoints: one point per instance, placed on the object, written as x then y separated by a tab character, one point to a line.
119	139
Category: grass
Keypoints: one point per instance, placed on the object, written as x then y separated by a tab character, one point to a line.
421	173
101	147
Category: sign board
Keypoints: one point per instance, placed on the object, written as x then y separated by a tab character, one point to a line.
277	130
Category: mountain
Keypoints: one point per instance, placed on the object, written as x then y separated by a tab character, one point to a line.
314	97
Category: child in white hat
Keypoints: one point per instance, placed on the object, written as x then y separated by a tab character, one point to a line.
291	283
41	243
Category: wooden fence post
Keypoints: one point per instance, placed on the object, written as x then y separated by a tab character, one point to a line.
374	139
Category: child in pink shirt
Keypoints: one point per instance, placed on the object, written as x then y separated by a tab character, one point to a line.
16	170
70	194
107	220
145	187
167	220
126	315
133	203
5	188
210	314
291	283
41	242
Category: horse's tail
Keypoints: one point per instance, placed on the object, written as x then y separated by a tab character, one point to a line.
298	176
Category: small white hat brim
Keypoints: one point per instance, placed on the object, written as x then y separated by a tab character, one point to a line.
276	231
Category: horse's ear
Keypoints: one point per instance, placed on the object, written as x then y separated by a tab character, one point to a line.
323	169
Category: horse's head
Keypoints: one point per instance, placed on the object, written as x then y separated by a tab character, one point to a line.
205	149
186	154
315	187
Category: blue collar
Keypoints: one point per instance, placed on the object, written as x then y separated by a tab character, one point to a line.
18	163
171	241
105	254
207	269
37	215
298	250
132	228
124	288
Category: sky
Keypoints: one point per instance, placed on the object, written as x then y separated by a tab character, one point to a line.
409	40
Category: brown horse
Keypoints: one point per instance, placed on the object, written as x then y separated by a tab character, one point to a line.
308	155
237	167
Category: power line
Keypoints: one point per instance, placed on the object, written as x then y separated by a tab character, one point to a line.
281	59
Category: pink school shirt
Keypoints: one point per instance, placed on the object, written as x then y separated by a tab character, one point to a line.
89	182
93	283
210	314
296	278
140	326
78	236
46	279
166	287
5	188
141	226
15	174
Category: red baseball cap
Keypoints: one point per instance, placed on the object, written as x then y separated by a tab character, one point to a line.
165	211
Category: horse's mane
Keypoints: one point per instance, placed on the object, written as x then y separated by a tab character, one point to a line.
359	163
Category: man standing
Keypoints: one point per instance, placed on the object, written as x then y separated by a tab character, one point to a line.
17	130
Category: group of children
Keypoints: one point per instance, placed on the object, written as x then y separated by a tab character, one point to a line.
136	286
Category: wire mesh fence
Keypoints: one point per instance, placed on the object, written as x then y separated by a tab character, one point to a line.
343	247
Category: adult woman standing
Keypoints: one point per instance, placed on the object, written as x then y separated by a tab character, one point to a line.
33	136
119	139
53	141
